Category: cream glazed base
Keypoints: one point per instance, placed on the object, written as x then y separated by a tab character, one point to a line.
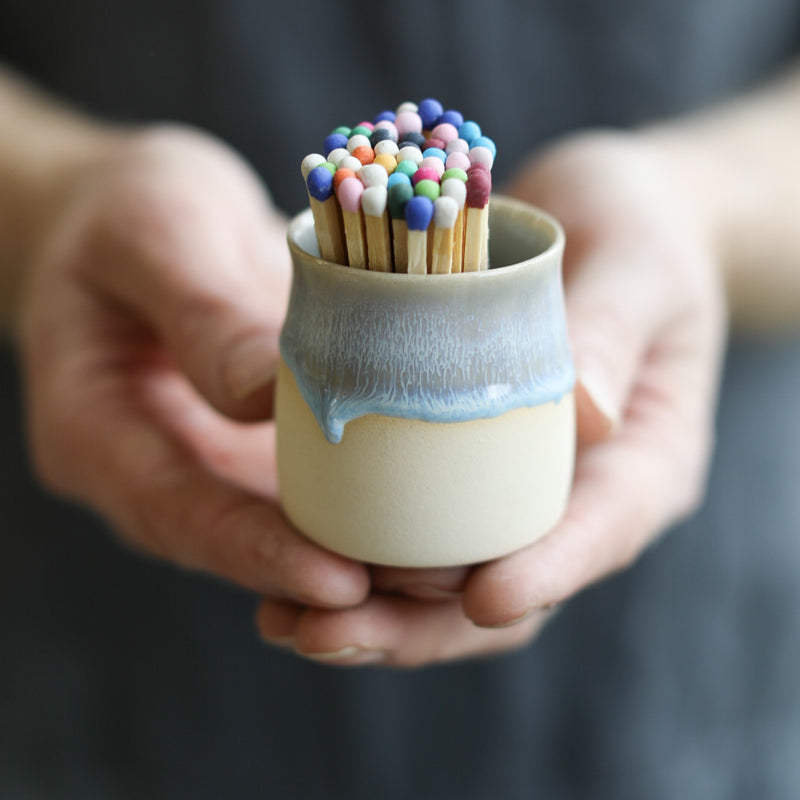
410	493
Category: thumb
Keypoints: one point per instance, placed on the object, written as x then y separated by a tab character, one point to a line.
616	300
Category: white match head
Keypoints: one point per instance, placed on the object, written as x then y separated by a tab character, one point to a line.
409	153
335	156
387	146
359	140
456	189
445	212
350	162
373	175
309	162
481	155
373	201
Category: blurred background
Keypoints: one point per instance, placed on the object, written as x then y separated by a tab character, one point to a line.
124	678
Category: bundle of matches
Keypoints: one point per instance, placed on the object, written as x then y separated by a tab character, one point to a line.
407	192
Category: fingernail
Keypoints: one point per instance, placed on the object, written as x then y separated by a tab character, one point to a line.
510	622
351	654
250	365
600	396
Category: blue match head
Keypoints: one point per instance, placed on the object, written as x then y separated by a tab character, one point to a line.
398	177
484	141
468	131
455	118
320	183
332	141
429	111
419	213
435	151
388	116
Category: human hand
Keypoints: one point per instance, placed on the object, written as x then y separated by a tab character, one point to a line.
647	324
149	329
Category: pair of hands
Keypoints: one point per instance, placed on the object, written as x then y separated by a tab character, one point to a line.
149	328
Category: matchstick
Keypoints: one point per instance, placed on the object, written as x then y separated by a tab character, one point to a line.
327	219
349	195
418	212
445	213
456	188
376	220
399	195
476	219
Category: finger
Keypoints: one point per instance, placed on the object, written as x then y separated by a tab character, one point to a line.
276	621
618	300
626	491
209	273
444	583
402	632
101	434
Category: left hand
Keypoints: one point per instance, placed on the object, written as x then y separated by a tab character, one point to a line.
647	324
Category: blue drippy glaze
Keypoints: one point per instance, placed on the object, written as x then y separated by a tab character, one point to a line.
445	348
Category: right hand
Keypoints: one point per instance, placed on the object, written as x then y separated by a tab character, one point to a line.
149	327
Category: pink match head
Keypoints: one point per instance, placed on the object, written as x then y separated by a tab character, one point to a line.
481	155
423	174
349	194
408	122
434	142
460	160
445	131
385	124
433	162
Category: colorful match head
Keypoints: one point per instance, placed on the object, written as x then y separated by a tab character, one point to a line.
320	183
427	188
419	212
408	122
445	212
373	200
457	189
413	137
349	194
469	131
332	141
407	167
310	161
454	118
479	187
387	146
373	175
399	195
429	111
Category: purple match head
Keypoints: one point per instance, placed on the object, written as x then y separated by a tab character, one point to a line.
454	118
388	116
429	111
332	141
